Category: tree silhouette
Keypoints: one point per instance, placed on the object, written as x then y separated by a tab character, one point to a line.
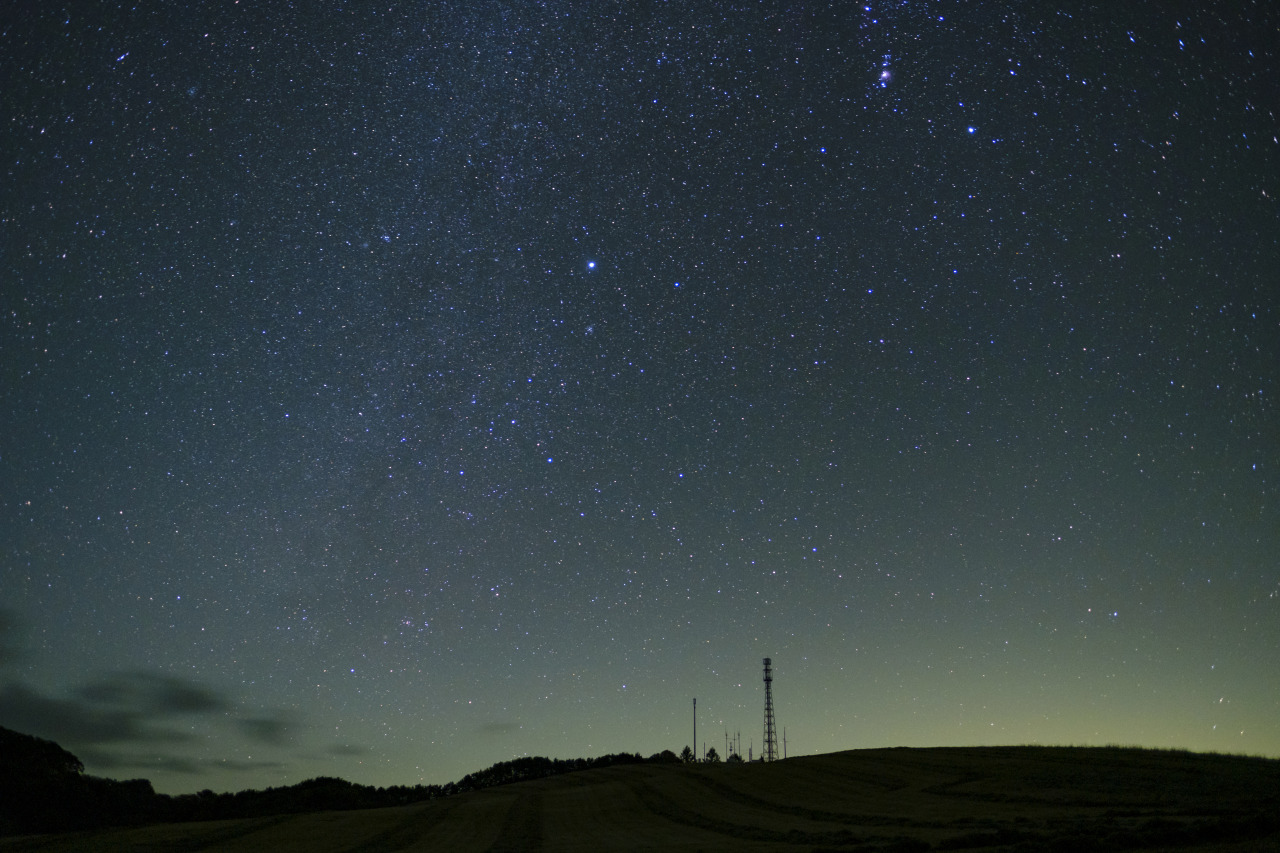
686	755
32	756
713	757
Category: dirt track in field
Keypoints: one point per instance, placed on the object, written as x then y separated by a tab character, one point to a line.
997	798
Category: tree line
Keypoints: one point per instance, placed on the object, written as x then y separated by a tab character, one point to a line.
43	788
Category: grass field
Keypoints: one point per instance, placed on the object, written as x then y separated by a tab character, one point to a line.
974	798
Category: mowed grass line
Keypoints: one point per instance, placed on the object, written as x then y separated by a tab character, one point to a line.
304	833
467	823
162	838
806	790
683	798
522	827
599	810
417	826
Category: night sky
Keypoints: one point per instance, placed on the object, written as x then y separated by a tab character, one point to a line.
391	389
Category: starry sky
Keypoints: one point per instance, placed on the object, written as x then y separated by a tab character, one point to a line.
391	389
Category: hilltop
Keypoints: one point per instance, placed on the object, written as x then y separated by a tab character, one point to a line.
971	798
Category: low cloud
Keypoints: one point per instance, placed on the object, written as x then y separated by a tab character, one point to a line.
106	760
8	637
139	721
77	721
152	695
162	763
272	729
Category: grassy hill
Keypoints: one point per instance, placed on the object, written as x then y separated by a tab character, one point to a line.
974	798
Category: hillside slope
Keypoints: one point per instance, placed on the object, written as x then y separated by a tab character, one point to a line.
997	798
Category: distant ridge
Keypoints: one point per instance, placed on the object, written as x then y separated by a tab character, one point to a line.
1008	798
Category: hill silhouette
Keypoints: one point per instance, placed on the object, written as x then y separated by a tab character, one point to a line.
43	789
962	798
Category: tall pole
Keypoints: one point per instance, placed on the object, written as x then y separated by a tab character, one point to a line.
770	733
695	728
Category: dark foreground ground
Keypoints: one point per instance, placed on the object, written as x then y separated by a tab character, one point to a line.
996	798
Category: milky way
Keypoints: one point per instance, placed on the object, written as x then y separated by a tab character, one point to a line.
390	390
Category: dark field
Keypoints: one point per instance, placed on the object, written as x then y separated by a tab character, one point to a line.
997	798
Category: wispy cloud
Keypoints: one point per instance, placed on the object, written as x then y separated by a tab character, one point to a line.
75	721
152	695
141	721
273	729
8	636
168	763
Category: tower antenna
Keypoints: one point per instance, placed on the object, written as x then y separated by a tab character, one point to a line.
770	732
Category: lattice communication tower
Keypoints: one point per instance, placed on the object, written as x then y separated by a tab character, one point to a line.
770	732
